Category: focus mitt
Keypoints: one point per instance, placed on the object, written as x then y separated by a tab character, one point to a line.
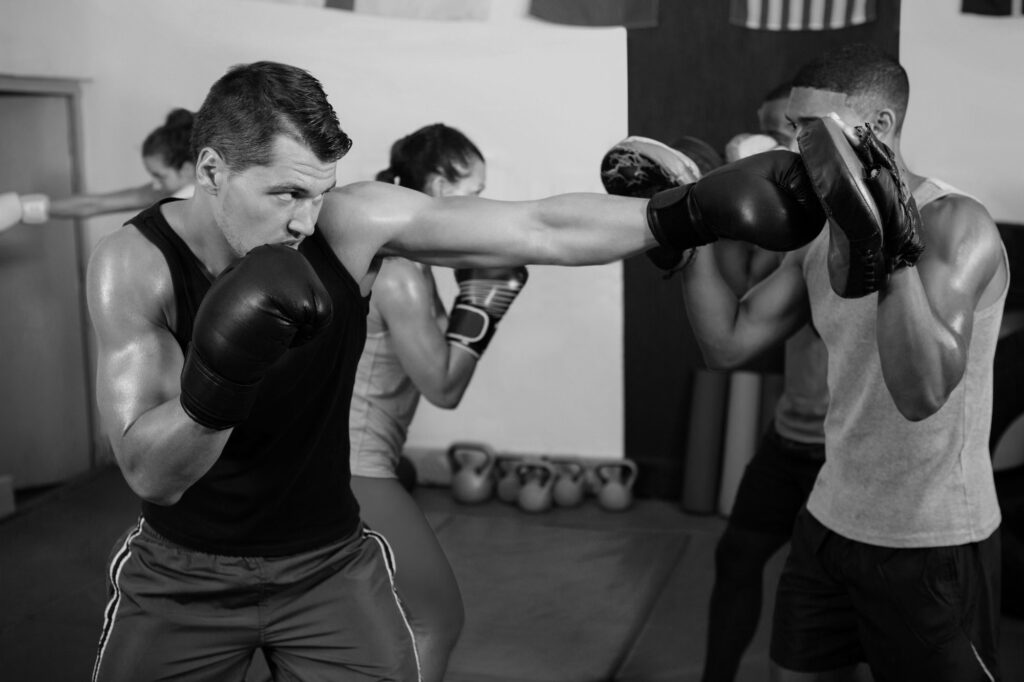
856	263
641	167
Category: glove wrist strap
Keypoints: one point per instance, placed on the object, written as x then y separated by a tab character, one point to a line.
210	399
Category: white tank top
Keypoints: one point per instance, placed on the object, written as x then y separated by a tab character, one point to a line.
384	398
888	481
384	401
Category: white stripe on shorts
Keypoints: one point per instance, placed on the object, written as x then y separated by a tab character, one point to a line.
110	613
389	561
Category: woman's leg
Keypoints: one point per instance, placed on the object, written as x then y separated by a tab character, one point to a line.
425	580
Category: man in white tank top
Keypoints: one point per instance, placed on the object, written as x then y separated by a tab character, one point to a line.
895	560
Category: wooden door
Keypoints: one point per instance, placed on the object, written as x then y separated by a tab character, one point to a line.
45	402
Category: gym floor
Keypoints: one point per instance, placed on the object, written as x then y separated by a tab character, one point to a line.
52	590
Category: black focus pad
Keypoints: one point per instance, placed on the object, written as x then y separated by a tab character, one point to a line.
856	262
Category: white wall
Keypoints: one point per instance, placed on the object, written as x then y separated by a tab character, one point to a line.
542	102
965	123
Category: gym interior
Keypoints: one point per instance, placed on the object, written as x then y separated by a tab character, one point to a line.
595	379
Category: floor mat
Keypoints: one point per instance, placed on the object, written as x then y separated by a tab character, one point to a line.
549	602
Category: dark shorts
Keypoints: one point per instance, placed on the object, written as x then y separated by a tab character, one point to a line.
912	614
331	613
776	484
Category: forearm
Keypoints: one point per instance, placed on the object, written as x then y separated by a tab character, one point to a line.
712	308
164	452
88	205
452	378
586	229
922	357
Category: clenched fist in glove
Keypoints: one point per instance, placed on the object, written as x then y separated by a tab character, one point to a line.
485	294
30	209
766	200
270	301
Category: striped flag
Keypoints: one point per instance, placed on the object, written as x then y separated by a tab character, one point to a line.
995	8
801	15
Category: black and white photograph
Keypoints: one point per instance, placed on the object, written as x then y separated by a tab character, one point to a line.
511	340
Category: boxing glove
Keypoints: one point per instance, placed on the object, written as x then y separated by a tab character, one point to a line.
270	301
484	296
29	209
766	200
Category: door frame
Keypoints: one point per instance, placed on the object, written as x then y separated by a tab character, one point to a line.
71	91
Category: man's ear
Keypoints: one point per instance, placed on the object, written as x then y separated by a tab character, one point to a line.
883	123
210	170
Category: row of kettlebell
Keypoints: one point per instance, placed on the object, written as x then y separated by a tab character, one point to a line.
536	484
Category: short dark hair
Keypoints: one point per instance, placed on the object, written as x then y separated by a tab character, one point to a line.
250	105
861	71
435	148
172	141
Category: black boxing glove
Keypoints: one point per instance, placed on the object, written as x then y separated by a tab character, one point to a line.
484	297
765	199
270	301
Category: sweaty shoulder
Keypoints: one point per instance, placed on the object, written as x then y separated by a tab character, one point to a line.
958	230
359	219
369	204
956	221
402	284
128	276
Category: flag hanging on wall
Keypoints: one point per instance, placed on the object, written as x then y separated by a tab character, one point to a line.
995	8
628	13
801	15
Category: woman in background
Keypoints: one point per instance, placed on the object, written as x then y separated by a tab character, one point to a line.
413	349
167	157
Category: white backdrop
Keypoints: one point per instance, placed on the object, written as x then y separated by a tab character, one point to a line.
542	102
964	122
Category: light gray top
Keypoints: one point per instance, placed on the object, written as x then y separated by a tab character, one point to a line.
886	480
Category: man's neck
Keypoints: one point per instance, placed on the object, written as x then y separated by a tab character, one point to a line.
194	222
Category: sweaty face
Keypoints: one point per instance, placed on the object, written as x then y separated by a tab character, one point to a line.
277	203
807	104
771	117
471	183
166	178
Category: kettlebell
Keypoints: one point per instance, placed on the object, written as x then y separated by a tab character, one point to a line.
591	481
508	479
617	478
472	464
538	479
570	485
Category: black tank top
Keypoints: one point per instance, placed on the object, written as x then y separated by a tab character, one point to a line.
281	485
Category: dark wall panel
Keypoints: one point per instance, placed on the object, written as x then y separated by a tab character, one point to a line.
695	74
